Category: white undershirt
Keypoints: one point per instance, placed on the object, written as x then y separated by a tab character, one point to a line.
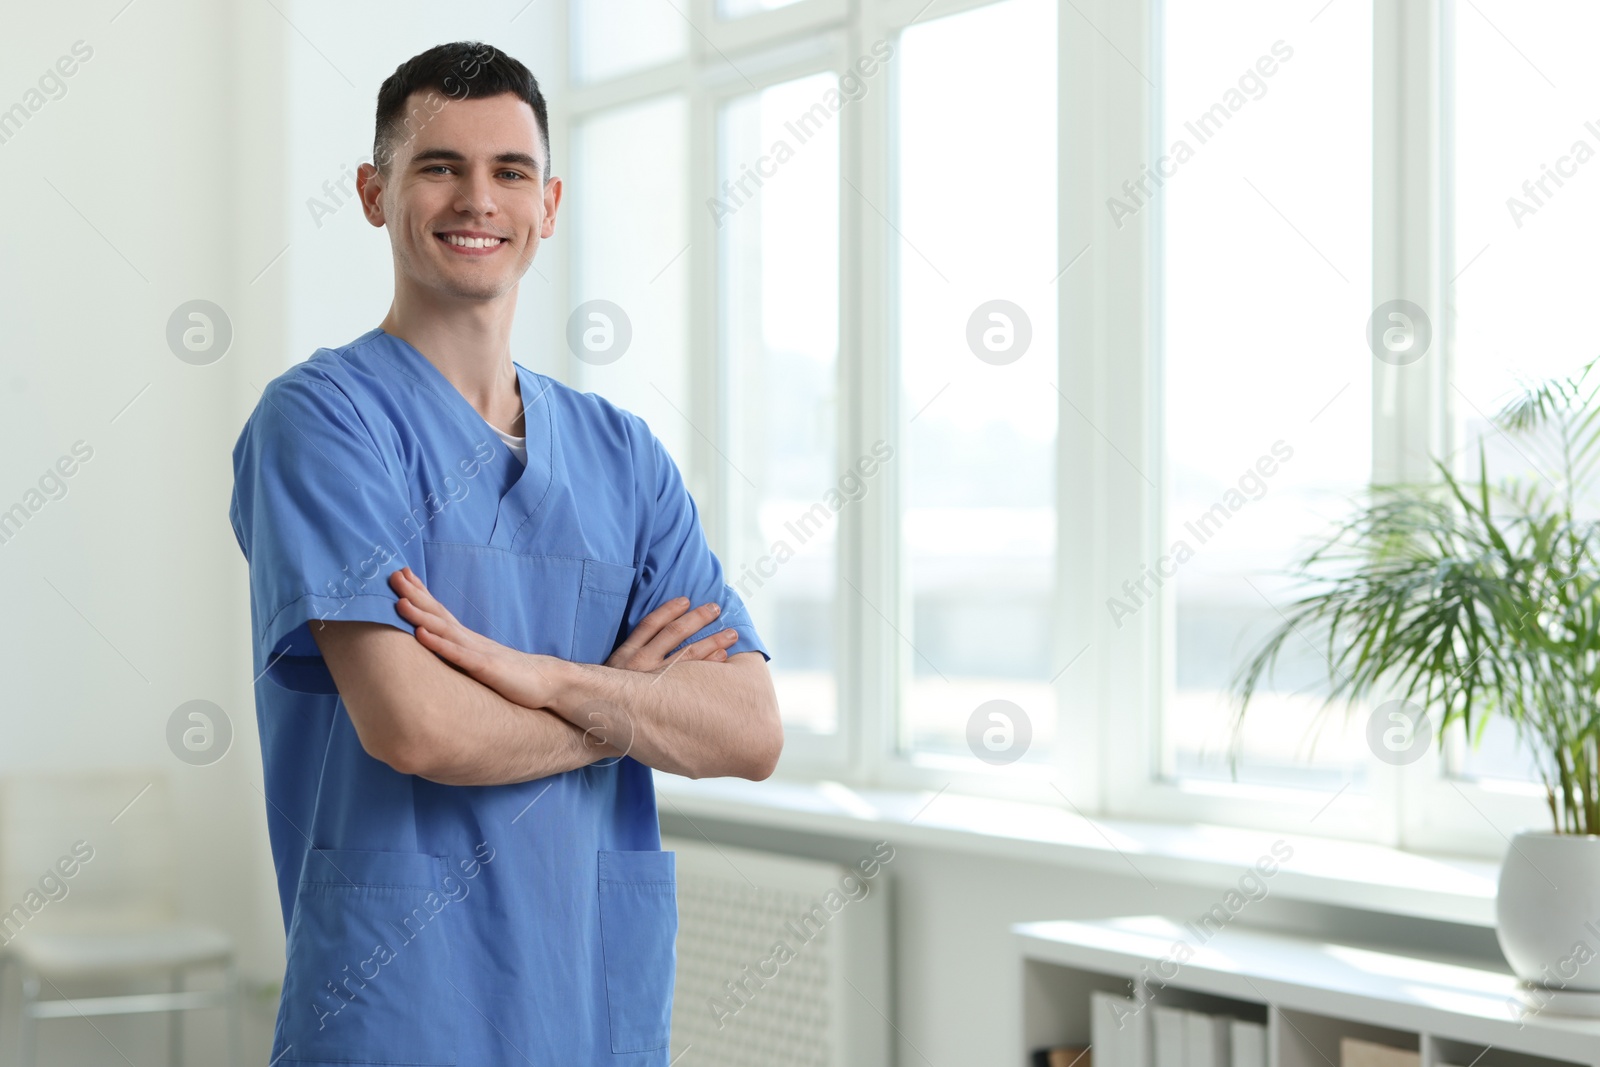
517	445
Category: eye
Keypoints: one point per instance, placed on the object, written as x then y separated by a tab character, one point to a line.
436	166
515	173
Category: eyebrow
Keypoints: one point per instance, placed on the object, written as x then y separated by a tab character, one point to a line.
450	155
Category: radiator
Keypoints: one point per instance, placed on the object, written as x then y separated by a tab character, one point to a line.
782	962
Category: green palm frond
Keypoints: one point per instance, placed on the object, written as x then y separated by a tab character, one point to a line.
1475	599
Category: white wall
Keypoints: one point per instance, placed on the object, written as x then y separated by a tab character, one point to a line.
175	166
121	598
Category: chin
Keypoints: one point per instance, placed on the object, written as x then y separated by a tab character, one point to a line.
477	292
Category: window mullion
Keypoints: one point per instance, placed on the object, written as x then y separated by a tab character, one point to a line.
1409	395
1082	531
1126	365
874	566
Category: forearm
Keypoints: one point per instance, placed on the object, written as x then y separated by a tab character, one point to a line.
481	738
485	739
670	708
698	719
421	716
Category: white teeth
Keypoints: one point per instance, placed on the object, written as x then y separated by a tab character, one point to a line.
473	242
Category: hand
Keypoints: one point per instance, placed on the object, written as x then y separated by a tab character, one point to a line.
507	671
658	633
514	675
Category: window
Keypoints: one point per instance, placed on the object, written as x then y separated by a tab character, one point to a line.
628	330
777	222
975	259
1265	256
730	9
1520	186
1099	289
623	36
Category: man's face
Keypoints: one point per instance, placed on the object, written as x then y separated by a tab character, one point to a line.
470	169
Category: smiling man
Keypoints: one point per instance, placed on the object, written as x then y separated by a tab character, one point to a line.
471	592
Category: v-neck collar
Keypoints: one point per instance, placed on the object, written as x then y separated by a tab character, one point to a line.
532	484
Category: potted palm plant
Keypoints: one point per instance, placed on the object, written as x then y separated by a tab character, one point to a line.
1470	600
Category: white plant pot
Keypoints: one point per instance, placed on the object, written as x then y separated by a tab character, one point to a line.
1547	912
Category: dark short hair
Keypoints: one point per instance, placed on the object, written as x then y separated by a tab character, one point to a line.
458	71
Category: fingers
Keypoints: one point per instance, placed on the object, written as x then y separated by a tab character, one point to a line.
663	629
674	632
653	626
421	608
405	582
653	623
714	647
418	616
449	651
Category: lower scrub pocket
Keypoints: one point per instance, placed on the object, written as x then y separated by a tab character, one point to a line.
638	931
369	960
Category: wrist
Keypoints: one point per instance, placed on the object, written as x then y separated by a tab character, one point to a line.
591	742
559	681
589	701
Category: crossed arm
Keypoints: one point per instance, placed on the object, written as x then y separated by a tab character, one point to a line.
456	707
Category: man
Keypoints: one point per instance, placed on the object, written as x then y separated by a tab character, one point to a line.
445	549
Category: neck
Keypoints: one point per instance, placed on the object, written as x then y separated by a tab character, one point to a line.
472	351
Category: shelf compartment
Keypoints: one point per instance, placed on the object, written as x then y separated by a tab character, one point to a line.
1303	1039
1327	989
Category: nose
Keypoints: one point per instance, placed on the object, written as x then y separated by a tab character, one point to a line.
475	193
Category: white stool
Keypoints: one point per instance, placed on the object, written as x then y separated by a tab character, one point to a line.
116	916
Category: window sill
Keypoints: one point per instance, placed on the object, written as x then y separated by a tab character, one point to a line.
1322	870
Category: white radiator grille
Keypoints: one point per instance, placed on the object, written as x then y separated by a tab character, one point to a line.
761	962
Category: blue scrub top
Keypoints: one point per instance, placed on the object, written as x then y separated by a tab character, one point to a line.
436	924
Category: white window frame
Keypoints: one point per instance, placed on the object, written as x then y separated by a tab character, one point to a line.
815	54
1107	760
1071	776
1441	812
1418	806
1135	785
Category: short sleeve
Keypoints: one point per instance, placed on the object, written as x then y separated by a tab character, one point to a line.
313	505
678	561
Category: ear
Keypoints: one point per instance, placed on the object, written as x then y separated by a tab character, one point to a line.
552	201
369	187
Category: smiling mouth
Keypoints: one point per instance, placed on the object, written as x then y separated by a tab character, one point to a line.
469	245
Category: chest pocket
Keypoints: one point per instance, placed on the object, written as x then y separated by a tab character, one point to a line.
602	607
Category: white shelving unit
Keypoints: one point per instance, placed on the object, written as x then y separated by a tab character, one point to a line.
1308	993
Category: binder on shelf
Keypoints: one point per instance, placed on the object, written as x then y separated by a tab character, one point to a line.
1167	1036
1136	1048
1354	1052
1247	1044
1205	1040
1118	1031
